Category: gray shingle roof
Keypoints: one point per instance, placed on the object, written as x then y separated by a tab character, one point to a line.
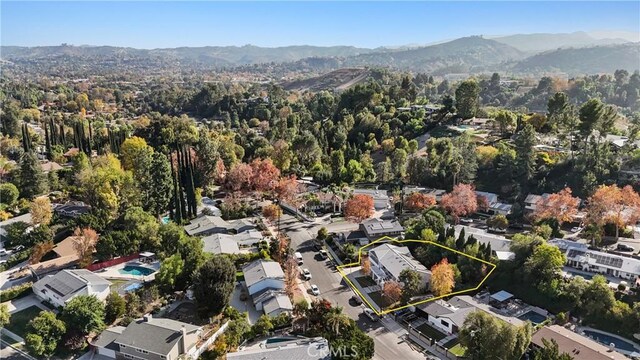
66	283
258	270
206	223
318	349
220	244
397	258
155	335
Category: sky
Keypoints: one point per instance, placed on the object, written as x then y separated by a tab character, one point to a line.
148	24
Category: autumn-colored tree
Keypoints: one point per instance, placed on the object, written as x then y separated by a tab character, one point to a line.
220	173
239	177
461	201
418	202
560	206
265	175
483	203
392	291
39	251
291	274
40	209
287	190
365	266
442	278
272	212
611	204
359	208
85	244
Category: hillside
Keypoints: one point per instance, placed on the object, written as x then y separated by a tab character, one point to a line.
536	43
599	59
336	80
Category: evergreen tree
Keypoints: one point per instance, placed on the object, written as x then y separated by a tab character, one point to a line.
33	180
525	153
160	186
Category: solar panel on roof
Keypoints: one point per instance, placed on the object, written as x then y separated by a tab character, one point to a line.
59	287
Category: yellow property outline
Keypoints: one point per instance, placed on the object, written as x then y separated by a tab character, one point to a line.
382	312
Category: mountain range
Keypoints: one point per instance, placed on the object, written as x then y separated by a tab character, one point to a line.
532	54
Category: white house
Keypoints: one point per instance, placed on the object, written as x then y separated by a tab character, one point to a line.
230	243
380	197
265	283
60	288
579	256
377	228
388	261
448	316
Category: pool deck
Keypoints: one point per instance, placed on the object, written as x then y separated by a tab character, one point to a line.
630	342
114	271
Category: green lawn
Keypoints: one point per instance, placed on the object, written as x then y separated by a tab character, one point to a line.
376	296
365	281
451	343
431	332
458	350
20	320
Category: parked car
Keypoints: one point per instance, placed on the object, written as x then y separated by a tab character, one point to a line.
5	252
314	290
323	254
306	274
299	258
466	220
497	230
371	314
18	248
576	229
624	247
356	299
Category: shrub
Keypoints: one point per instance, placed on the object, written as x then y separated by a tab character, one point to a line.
16	292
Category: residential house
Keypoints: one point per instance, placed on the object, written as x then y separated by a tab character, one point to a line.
494	205
377	228
232	242
149	338
448	316
66	257
500	245
356	237
25	218
531	202
265	283
72	209
388	261
380	197
60	288
577	346
579	256
292	348
208	225
210	206
49	166
620	141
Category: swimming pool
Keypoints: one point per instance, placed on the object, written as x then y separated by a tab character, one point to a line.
607	339
136	271
532	316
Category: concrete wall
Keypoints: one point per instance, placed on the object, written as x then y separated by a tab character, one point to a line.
266	284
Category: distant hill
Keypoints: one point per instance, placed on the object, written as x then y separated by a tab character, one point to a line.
535	43
599	59
209	55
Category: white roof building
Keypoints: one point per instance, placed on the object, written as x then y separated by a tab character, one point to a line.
60	288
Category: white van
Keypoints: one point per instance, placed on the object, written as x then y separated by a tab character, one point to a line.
299	258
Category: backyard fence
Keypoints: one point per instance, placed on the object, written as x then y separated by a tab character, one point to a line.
112	262
205	345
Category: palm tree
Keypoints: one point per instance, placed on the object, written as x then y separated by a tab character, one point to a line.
336	320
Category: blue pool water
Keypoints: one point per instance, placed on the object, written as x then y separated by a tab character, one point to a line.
135	270
532	316
165	220
606	340
133	287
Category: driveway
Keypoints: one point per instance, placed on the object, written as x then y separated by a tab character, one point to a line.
244	306
16	305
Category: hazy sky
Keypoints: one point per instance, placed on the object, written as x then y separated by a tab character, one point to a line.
146	24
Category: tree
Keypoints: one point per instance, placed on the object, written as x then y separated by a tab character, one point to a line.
461	201
158	194
265	175
40	250
597	298
359	208
611	204
498	221
544	264
43	334
272	212
5	317
442	278
85	245
560	206
9	193
412	284
323	233
291	274
505	120
336	320
524	141
33	180
213	284
287	190
40	209
365	265
487	337
239	177
135	154
263	326
418	202
392	291
115	307
170	270
85	314
467	98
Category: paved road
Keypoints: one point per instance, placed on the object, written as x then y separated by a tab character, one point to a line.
9	353
388	346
